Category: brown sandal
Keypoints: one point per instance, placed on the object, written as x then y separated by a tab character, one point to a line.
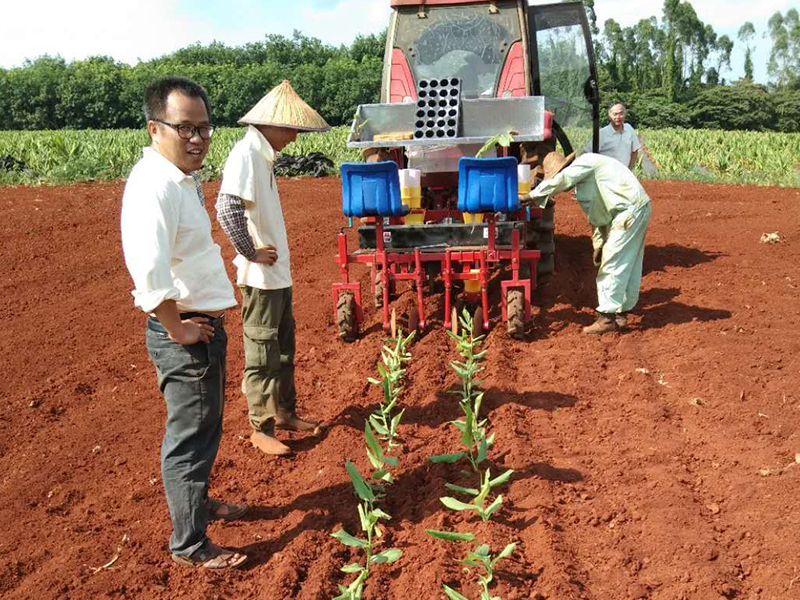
211	557
225	511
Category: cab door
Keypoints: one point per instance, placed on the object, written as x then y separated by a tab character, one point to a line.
563	70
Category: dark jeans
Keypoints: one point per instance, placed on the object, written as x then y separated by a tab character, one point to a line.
269	347
192	379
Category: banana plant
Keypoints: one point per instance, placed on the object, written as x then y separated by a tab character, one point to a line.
480	557
391	373
369	516
478	504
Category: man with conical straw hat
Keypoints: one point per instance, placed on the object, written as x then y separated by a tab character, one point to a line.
619	212
249	210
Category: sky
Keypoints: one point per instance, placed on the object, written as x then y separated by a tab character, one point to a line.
144	29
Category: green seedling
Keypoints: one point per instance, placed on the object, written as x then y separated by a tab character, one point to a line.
472	428
501	139
480	557
391	372
481	496
369	516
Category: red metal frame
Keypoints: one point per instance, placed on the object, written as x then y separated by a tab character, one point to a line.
409	266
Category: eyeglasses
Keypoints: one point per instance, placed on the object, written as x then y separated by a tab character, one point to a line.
186	132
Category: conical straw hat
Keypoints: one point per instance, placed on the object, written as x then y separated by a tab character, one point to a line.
282	107
554	162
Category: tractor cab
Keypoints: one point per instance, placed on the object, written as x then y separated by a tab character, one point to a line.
498	49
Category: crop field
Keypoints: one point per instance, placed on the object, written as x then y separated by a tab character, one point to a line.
55	157
661	463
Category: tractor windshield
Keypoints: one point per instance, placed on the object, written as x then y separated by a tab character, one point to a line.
465	41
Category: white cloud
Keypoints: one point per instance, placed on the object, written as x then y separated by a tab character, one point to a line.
124	30
340	22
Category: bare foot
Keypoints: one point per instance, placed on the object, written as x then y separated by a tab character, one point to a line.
268	444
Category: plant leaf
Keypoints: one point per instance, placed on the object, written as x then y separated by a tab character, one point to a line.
463	490
387	556
447	458
352	568
450	536
501	479
451	593
494	506
349	540
372	443
504	554
456	504
483	447
378	513
363	489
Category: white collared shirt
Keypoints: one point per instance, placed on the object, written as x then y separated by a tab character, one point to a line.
166	239
248	174
616	144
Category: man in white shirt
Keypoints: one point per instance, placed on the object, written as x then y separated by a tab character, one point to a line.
180	281
618	139
249	211
618	209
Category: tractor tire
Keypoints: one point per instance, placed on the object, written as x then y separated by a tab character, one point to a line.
515	313
346	317
378	290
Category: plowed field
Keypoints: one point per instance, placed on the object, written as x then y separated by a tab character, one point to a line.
650	464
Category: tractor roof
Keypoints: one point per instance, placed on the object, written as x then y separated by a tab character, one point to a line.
396	3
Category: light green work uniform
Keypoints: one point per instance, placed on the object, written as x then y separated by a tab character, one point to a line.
619	212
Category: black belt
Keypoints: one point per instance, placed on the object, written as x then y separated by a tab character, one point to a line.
216	322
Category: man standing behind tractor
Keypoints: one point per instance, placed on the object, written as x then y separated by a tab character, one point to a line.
619	212
249	210
181	282
618	139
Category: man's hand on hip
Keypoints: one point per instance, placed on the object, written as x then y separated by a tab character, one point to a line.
597	256
266	255
191	331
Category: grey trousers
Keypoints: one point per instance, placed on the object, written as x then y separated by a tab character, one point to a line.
192	379
269	347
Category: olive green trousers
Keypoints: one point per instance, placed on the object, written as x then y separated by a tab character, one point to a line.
269	347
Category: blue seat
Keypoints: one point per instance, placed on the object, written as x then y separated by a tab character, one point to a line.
487	185
371	190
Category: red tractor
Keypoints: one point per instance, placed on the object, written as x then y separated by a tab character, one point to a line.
459	75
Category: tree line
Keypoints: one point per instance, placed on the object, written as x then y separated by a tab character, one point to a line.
669	72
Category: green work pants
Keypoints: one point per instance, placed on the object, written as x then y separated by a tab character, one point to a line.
269	346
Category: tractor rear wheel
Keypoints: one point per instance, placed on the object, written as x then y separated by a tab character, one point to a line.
346	317
515	307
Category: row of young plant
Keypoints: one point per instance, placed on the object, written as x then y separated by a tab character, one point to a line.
473	435
380	434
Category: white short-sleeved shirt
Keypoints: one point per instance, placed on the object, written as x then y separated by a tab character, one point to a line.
619	145
248	174
166	240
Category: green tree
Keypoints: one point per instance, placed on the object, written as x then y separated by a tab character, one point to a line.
787	110
745	34
784	58
739	106
89	94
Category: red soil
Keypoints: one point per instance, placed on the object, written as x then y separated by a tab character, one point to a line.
628	483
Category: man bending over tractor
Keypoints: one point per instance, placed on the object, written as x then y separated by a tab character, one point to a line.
618	209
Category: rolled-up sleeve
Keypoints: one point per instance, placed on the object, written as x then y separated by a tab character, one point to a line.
149	228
